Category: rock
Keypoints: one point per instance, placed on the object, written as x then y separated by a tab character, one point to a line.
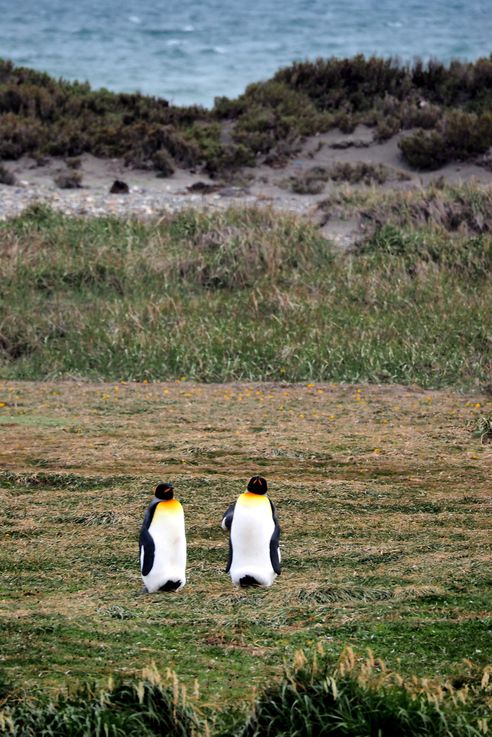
119	187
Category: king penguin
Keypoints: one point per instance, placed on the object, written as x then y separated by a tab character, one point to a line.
163	543
254	555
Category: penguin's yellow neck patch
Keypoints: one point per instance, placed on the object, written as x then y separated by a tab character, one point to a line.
252	499
167	507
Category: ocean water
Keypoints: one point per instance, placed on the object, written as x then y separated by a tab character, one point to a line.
190	51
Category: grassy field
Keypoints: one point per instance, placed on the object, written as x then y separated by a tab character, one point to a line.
250	294
382	488
383	494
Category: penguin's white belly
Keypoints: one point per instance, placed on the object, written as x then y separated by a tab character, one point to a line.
168	533
251	531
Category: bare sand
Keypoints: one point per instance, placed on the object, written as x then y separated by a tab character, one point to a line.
263	185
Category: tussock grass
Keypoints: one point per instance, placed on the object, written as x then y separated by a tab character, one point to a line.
249	294
145	708
363	698
355	696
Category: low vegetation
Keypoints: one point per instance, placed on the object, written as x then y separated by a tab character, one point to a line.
364	698
383	496
249	294
450	105
313	180
69	179
6	177
354	697
136	709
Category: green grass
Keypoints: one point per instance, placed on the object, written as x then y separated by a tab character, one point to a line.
143	708
355	697
249	294
382	494
359	699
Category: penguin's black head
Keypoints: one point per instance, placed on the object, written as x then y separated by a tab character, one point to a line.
257	485
164	492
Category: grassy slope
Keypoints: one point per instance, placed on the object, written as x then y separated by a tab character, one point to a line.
382	495
250	294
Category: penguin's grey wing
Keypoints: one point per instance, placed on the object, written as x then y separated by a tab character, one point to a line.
274	543
147	541
227	518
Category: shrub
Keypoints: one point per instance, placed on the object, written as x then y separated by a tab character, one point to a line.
69	179
359	172
425	150
461	136
6	176
163	163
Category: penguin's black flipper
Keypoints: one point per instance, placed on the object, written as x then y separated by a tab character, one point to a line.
274	543
148	547
227	518
229	559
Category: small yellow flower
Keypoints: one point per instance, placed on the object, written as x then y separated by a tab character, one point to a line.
309	386
3	404
377	451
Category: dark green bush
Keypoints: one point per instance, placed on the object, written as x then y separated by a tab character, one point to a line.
461	136
425	150
39	115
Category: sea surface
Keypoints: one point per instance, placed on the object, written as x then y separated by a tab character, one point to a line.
190	51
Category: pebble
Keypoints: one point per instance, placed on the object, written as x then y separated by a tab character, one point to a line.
139	203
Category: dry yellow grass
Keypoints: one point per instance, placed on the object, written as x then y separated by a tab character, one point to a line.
383	496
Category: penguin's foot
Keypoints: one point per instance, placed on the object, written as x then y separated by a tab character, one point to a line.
170	586
247	581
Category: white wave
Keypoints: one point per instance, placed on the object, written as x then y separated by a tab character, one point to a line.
134	19
220	50
174	42
188	29
394	24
